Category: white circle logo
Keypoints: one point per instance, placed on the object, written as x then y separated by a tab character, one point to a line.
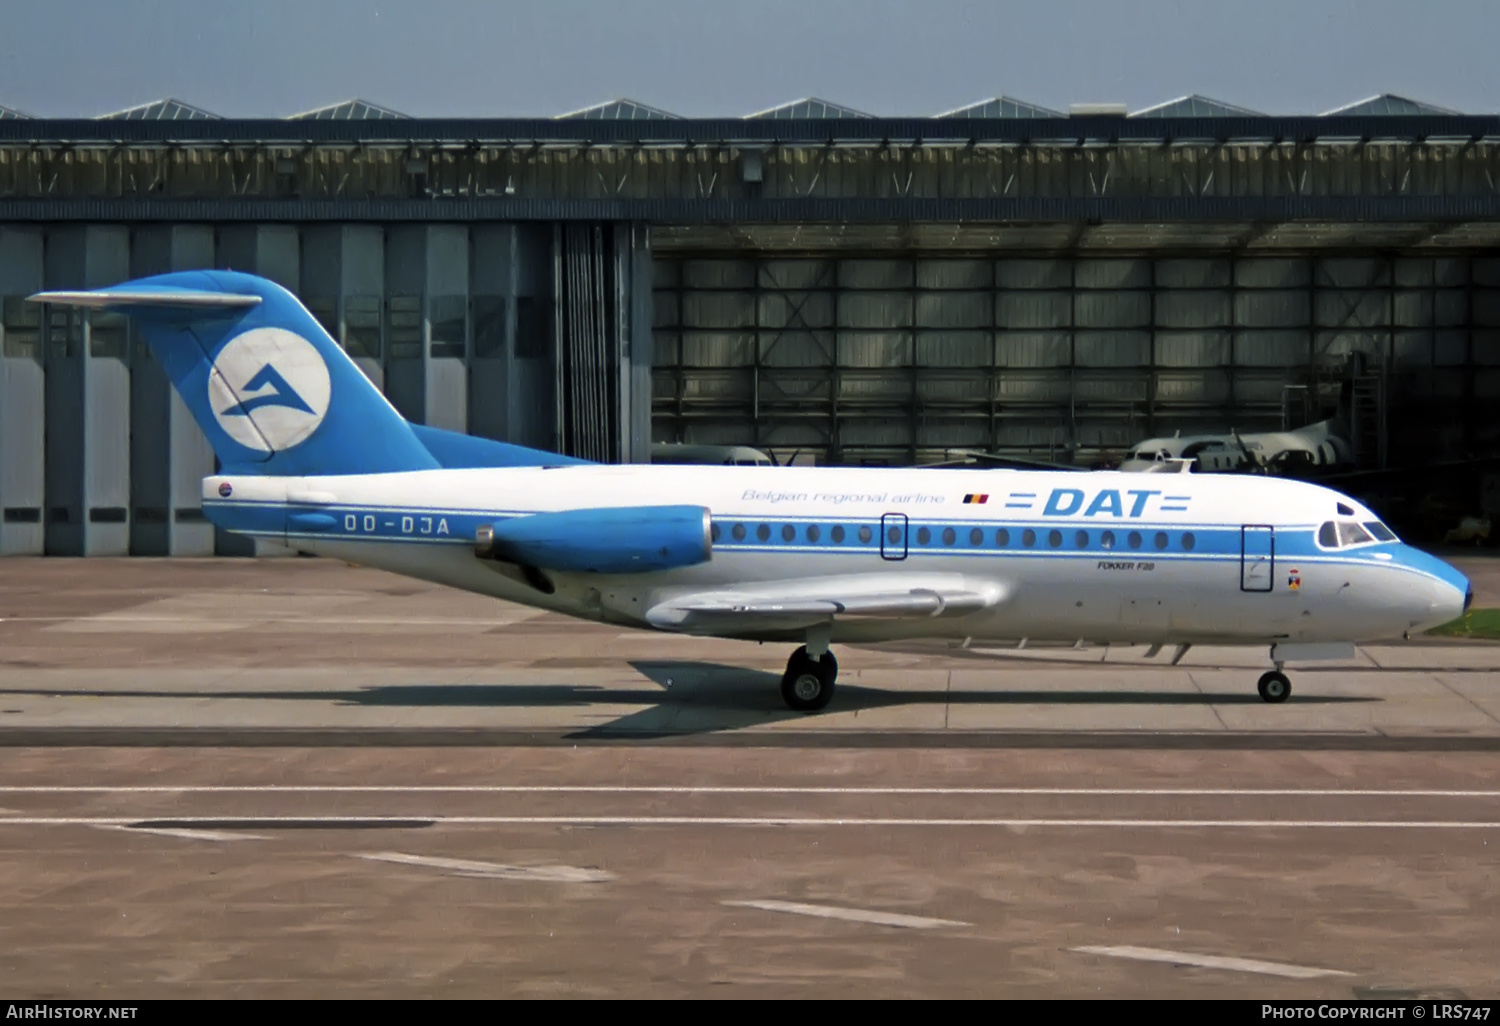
269	389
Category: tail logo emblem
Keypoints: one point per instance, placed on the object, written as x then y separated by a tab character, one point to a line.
280	394
269	389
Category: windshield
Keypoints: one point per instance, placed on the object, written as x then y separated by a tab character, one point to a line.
1380	531
1338	534
1353	534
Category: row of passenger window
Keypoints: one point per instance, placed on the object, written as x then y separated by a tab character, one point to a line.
1028	538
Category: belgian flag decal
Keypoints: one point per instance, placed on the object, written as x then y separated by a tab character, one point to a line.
980	500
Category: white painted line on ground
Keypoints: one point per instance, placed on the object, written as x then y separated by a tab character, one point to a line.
853	915
1243	965
494	870
759	821
196	835
1123	792
342	621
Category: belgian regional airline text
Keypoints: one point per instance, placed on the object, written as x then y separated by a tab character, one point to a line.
1120	503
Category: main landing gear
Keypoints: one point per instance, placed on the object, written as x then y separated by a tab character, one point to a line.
1274	686
807	685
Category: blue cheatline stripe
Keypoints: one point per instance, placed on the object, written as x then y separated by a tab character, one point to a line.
416	524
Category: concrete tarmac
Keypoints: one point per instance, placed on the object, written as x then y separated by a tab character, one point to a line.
296	778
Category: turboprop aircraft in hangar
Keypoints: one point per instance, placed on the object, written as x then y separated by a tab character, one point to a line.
313	456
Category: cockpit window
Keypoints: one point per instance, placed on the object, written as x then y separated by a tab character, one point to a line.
1352	534
1338	534
1380	531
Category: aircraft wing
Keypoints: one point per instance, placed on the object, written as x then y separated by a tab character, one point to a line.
794	604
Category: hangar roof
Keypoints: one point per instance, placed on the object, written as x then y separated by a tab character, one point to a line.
1388	171
161	110
1196	106
809	107
349	110
1001	107
1388	103
622	110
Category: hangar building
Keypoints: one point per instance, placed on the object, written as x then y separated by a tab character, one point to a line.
809	280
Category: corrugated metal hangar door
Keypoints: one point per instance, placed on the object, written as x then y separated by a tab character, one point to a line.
902	359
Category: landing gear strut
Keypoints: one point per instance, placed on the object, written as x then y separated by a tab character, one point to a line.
807	685
1274	686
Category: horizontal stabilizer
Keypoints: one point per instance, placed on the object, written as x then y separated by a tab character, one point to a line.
100	299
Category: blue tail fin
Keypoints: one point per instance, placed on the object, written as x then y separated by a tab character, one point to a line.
273	393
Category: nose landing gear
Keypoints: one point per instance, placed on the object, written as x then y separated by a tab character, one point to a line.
808	683
1274	686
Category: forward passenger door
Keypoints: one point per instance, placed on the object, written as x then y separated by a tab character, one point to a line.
1257	557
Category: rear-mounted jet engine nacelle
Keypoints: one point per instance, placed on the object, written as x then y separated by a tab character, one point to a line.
625	540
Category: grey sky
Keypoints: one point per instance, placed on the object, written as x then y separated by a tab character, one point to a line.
705	58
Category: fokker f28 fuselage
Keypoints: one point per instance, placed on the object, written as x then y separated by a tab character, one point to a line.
315	458
1003	555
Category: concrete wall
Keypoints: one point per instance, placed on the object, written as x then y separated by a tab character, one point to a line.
22	394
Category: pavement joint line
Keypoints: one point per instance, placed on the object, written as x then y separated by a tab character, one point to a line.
1083	792
1438	676
196	835
311	821
853	915
1244	965
262	620
494	870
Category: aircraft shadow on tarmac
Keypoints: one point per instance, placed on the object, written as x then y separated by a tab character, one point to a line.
691	697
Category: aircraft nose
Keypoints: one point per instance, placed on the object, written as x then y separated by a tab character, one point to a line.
1447	596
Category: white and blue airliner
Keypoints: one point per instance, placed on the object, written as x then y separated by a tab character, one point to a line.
314	457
